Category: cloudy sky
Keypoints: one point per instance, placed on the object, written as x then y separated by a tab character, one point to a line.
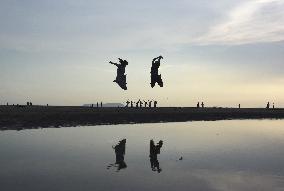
221	52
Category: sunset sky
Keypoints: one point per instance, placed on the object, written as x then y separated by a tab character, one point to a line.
221	52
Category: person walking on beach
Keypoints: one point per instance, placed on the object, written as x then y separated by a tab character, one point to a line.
120	76
155	76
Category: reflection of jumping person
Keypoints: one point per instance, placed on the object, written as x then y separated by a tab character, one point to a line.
120	76
154	151
155	77
119	155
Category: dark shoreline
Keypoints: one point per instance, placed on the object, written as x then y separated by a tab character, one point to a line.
33	117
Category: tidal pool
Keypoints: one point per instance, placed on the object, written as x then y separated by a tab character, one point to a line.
236	155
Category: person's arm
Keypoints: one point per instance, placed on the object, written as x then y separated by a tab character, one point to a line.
154	60
113	63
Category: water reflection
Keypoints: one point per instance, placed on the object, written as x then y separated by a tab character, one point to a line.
154	151
119	156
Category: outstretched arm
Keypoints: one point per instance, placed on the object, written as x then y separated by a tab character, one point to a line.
113	63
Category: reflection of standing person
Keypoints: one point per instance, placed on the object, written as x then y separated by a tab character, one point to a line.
154	151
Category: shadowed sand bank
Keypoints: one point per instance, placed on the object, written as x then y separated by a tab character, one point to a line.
30	117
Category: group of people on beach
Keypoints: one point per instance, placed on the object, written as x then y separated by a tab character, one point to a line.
139	103
268	105
198	105
97	105
120	163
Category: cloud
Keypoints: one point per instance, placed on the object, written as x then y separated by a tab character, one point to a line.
251	22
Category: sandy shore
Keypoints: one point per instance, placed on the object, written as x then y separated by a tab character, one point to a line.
29	117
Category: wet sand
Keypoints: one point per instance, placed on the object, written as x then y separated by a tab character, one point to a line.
30	117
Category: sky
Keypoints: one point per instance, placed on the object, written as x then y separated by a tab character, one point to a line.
224	52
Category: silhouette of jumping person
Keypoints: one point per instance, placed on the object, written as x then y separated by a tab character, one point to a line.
155	76
119	156
154	151
120	76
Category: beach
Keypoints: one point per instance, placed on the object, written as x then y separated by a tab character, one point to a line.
32	117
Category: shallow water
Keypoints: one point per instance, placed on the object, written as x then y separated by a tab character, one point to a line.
220	155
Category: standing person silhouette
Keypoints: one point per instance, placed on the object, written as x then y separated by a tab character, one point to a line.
155	76
127	103
155	104
150	103
268	105
145	103
120	76
131	104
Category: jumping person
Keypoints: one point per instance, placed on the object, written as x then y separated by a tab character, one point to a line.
120	76
155	76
